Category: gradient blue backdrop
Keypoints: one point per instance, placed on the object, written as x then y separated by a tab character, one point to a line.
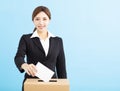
91	33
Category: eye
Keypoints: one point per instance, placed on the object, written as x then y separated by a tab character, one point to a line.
37	19
44	19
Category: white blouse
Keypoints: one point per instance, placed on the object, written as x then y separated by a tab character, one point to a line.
45	43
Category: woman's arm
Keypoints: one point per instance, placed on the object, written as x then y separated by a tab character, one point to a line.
61	65
20	55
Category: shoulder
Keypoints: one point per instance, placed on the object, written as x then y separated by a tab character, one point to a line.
57	38
27	35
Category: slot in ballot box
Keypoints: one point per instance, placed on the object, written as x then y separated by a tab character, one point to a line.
52	85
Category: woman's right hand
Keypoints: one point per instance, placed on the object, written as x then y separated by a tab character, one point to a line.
30	69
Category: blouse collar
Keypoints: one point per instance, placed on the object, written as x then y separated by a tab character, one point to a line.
35	34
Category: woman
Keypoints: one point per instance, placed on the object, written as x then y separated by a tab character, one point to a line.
41	46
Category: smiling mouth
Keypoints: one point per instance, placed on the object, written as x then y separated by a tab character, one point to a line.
40	26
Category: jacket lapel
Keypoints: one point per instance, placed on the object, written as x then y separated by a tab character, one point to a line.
51	47
38	44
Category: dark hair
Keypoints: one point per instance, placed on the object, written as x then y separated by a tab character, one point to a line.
38	10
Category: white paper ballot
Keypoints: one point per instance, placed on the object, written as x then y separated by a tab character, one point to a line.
43	72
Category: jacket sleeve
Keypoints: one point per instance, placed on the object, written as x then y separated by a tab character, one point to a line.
61	65
20	55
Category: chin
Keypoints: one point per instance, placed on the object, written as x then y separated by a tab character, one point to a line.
41	30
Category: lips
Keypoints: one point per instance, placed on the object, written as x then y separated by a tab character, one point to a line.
40	27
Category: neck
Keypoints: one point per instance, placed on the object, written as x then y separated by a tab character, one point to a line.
43	34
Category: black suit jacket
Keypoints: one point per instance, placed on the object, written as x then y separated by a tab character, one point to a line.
34	52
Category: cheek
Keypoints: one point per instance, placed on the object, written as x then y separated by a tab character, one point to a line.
35	23
47	23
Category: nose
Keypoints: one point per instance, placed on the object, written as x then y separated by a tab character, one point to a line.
41	22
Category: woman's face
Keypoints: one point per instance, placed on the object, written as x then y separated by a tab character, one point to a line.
41	21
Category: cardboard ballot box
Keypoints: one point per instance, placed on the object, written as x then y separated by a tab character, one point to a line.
52	85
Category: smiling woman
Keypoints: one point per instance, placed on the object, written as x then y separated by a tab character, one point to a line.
38	17
41	46
41	21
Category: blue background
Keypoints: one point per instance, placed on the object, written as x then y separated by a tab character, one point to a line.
91	33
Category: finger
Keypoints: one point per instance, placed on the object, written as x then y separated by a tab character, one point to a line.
34	68
27	72
31	70
28	69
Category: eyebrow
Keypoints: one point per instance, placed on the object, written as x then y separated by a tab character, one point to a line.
40	17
